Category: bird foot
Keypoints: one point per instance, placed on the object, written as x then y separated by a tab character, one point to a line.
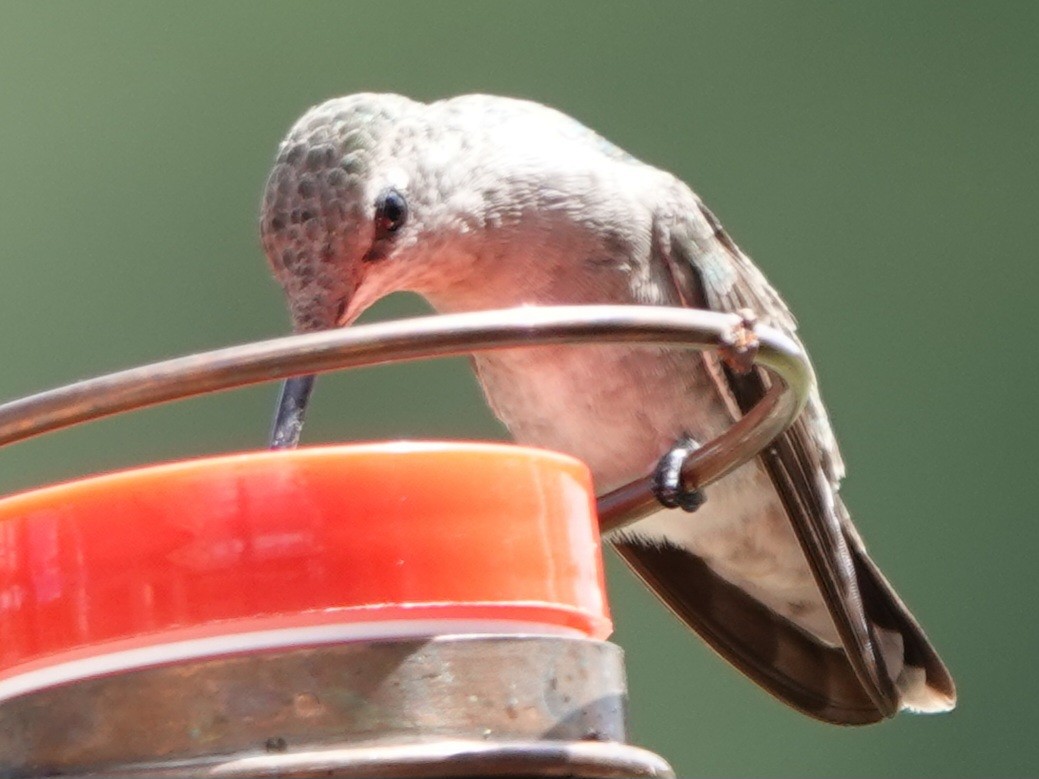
667	478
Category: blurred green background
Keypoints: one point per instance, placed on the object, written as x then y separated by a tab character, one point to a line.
878	160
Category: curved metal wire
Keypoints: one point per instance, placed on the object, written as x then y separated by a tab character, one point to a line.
441	336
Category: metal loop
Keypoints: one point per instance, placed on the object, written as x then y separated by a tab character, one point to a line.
450	335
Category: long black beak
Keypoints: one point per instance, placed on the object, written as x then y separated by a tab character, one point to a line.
291	412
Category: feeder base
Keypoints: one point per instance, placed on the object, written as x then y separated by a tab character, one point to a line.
445	706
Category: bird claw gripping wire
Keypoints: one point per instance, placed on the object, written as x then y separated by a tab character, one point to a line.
667	478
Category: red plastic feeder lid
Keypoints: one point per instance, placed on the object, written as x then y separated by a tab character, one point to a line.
290	548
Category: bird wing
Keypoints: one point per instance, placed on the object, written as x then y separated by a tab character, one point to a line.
852	684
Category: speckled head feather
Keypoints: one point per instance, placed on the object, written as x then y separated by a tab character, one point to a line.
317	219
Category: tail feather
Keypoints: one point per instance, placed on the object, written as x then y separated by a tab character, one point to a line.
802	672
923	682
799	669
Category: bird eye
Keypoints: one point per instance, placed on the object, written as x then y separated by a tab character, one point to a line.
391	212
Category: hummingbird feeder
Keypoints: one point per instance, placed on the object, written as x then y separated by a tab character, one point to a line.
405	609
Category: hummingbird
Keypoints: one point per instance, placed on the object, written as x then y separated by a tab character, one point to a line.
482	202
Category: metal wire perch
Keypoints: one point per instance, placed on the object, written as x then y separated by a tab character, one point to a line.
451	335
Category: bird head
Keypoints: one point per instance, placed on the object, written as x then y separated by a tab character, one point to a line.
474	202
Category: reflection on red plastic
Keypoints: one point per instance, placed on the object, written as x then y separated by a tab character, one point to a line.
463	534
